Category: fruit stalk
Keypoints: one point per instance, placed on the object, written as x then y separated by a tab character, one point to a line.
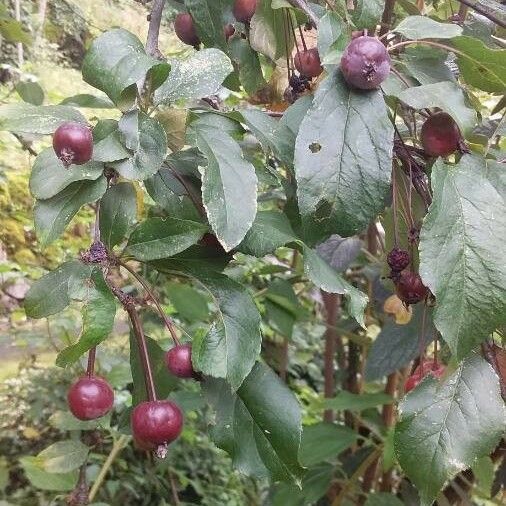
90	370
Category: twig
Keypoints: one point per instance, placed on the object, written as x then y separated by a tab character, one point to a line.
386	18
26	145
478	8
118	445
155	19
304	7
173	488
168	322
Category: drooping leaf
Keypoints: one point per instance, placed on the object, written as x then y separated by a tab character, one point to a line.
118	211
259	426
339	252
30	92
43	480
229	186
207	16
53	292
423	27
462	251
157	238
36	119
367	13
446	95
190	304
332	38
51	216
326	278
354	402
108	146
324	441
232	344
114	64
480	65
49	176
63	456
282	306
343	157
396	345
98	320
88	100
146	138
198	76
427	65
445	427
248	63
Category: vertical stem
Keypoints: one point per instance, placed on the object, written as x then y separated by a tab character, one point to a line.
19	45
42	17
90	370
143	351
155	19
331	303
386	18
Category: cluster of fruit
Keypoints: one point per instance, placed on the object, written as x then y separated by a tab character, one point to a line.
154	423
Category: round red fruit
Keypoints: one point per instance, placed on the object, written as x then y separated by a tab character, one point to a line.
365	63
179	361
90	397
73	143
244	10
185	29
409	287
308	62
440	135
156	423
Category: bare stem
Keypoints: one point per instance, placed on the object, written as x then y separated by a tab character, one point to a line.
331	302
386	18
168	322
155	19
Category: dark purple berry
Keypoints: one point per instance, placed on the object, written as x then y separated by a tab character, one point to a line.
185	29
440	135
73	143
156	423
365	63
90	397
244	10
409	287
308	62
398	259
179	361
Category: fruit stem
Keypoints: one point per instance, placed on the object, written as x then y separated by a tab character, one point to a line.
168	322
143	350
292	28
302	39
394	207
90	370
287	44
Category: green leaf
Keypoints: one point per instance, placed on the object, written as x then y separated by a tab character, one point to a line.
165	383
462	251
229	186
190	304
445	427
282	306
326	278
88	100
445	95
332	38
481	66
383	499
396	345
118	211
65	420
30	92
109	148
270	231
52	293
347	135
157	238
259	426
146	138
51	216
12	31
49	176
346	401
63	456
36	119
250	70
324	441
114	64
98	320
267	34
367	13
483	470
422	27
47	481
207	16
272	134
427	64
232	344
199	75
340	253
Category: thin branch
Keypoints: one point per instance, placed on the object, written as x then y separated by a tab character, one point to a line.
478	8
304	7
155	19
386	18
